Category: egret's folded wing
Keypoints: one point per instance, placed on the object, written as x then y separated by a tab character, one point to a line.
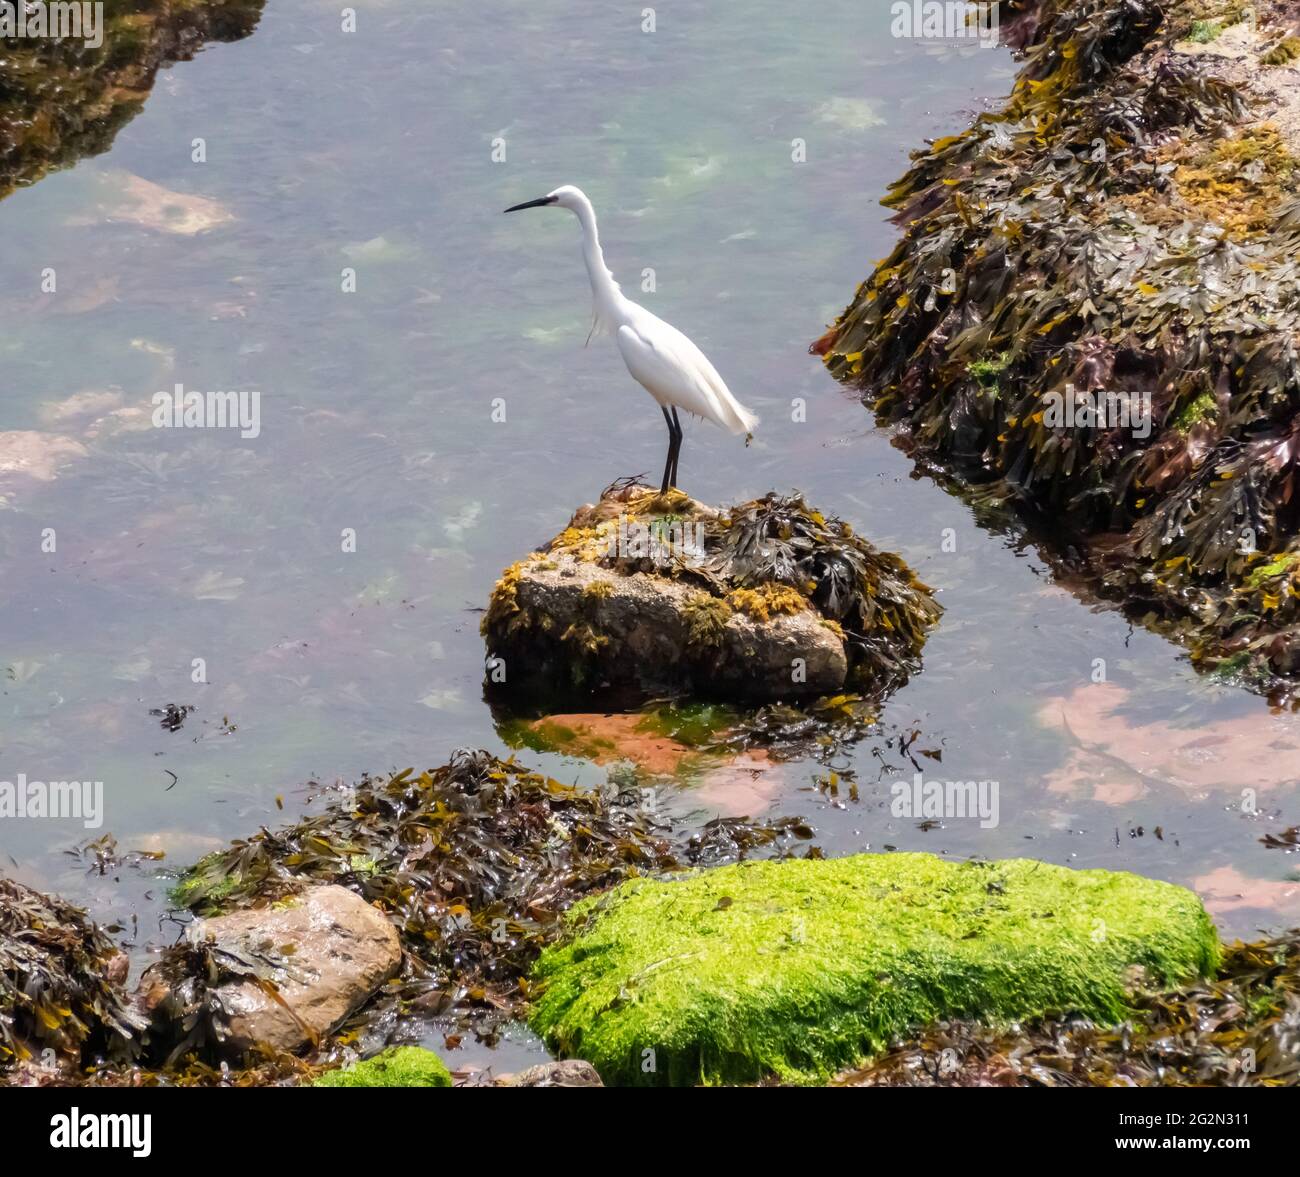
675	372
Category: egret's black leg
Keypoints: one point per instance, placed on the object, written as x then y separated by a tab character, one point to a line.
677	448
672	441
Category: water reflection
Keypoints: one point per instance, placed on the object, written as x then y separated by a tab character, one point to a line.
63	100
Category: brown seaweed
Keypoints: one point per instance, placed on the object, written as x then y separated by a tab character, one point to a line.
1125	225
1241	1029
59	983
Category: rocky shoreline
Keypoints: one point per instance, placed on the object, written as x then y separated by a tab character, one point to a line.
481	892
1120	240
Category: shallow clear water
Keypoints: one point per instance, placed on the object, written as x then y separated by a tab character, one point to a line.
374	150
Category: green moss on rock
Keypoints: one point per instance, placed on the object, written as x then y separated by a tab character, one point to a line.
398	1066
803	967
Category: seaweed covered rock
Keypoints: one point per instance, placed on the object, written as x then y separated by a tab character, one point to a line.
64	99
1093	312
398	1066
276	977
472	863
1240	1028
800	968
652	592
60	983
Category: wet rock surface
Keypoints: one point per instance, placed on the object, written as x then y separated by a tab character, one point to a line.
300	966
646	619
651	592
564	1073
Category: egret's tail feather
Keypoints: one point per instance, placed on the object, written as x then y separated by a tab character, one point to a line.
745	421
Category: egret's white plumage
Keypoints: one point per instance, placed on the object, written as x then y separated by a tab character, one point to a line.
661	359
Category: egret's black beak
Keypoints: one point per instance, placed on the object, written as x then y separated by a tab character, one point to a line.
538	203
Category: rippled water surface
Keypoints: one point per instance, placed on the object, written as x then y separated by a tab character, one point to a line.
374	151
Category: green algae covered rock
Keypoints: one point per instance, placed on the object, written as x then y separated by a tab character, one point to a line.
799	968
398	1066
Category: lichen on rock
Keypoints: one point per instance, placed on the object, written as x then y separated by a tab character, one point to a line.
797	969
654	592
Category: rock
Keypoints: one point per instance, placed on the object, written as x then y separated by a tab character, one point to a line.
1226	889
1116	751
398	1066
1109	345
31	454
799	968
88	403
565	1073
176	844
134	200
658	592
646	619
326	950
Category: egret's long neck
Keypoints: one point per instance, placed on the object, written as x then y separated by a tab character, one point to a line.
605	293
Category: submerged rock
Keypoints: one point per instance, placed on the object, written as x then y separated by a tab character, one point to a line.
398	1066
800	968
27	453
1092	315
651	592
293	970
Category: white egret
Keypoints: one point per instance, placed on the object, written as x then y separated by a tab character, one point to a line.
661	359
